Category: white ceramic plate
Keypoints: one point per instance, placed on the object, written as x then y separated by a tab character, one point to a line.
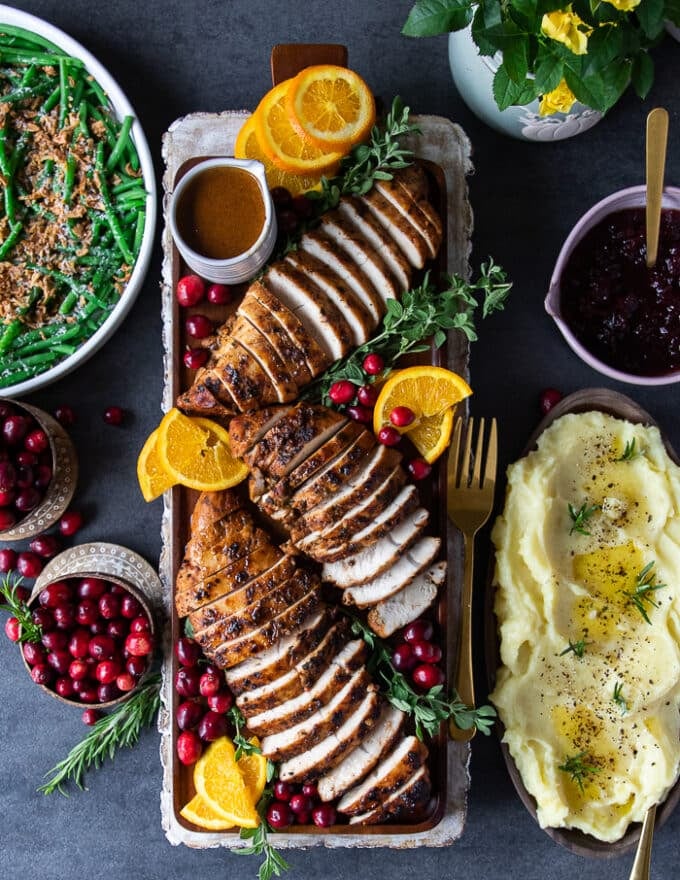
123	108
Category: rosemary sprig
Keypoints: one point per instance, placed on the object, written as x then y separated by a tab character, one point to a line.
578	648
428	710
243	745
580	517
274	863
120	728
618	697
422	312
578	768
29	631
630	451
644	587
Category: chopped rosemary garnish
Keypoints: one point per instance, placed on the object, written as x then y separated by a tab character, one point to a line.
243	745
618	697
578	768
274	863
580	517
29	631
644	587
578	648
428	710
121	727
630	451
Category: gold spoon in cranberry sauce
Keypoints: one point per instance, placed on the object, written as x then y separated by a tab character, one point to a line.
657	137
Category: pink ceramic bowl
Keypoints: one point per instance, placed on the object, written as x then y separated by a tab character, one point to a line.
633	197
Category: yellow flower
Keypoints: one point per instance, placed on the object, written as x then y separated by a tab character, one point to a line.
624	5
560	100
563	26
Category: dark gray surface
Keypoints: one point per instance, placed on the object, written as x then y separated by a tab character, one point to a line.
176	57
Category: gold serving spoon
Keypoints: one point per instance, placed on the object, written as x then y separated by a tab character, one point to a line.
643	856
657	137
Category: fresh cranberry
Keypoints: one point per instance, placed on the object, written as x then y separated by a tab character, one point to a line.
360	414
281	197
117	590
7	519
117	628
419	468
99	627
64	616
299	803
402	416
41	673
102	647
34	653
195	358
418	631
109	606
59	661
302	818
310	789
114	415
188	714
29	565
36	441
55	594
26	459
79	643
90	717
373	364
43	476
139	644
427	676
126	682
107	671
287	221
130	607
13	629
28	499
427	652
43	618
342	392
198	326
209	684
548	399
78	670
302	206
46	546
89	693
8	476
25	477
212	726
219	294
136	665
15	428
403	658
324	815
65	415
279	815
189	747
367	395
70	522
389	436
107	692
221	702
55	640
140	624
190	290
22	593
87	612
91	588
187	651
187	682
64	687
8	559
283	791
7	497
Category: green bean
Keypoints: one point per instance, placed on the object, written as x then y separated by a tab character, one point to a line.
69	331
69	303
25	93
44	59
63	92
82	128
9	334
33	298
18	375
120	145
139	232
108	132
28	37
130	183
14	233
51	102
69	178
111	218
92	85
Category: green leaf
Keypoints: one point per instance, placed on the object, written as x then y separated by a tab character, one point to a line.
428	18
516	56
508	93
673	11
651	15
549	72
642	74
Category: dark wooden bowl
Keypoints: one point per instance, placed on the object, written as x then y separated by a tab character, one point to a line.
620	406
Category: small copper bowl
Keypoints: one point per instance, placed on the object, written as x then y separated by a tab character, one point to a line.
113	564
62	485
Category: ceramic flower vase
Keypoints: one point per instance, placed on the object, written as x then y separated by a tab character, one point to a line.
473	77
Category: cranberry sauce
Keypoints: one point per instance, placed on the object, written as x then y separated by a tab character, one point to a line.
624	313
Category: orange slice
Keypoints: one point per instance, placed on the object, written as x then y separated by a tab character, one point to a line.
195	452
432	394
253	769
219	782
152	476
282	144
202	814
248	147
330	105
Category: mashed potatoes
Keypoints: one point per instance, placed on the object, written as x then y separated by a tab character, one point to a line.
588	576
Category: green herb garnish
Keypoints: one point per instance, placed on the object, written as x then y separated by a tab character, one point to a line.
618	697
580	517
274	863
578	648
422	312
121	728
630	451
243	746
644	588
578	768
428	710
29	631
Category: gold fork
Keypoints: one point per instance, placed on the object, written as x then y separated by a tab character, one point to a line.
469	502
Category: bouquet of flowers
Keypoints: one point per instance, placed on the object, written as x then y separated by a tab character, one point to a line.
586	50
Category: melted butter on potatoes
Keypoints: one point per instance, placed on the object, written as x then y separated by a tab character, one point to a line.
589	620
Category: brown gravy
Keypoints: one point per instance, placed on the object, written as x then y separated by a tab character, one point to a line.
221	212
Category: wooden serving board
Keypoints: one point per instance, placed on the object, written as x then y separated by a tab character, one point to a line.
444	152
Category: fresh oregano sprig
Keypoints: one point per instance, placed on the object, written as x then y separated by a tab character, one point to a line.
119	729
274	863
29	631
423	312
428	710
243	745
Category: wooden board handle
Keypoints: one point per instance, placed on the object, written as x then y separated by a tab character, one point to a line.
288	59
